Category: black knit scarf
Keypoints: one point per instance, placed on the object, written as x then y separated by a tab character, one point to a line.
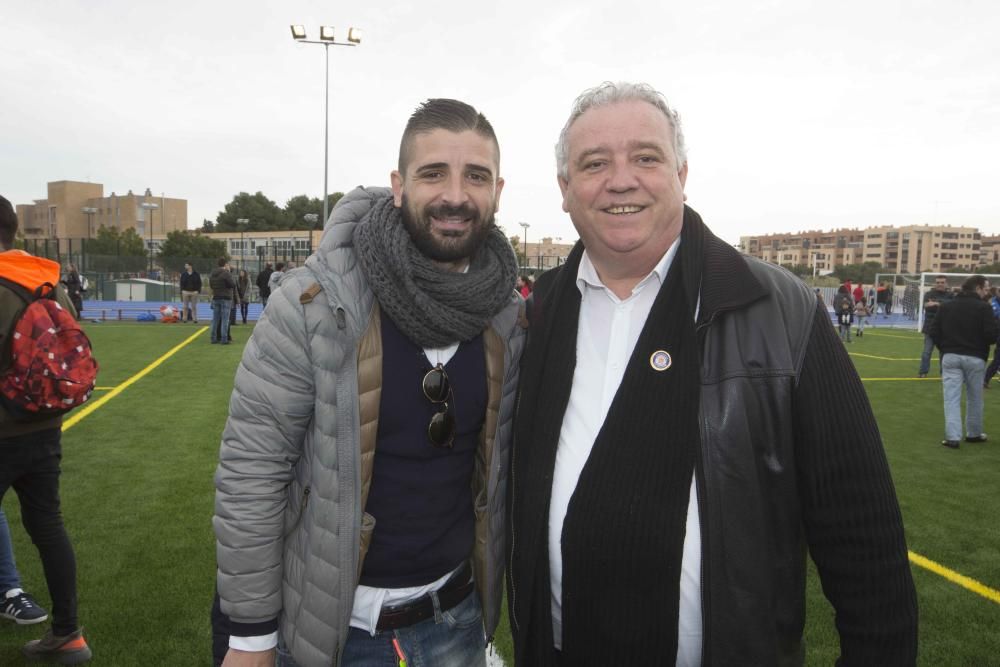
623	536
433	307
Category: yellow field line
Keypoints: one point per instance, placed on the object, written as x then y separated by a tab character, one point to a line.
872	356
90	407
965	582
103	388
873	333
900	379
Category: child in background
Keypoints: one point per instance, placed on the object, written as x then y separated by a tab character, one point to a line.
845	318
861	316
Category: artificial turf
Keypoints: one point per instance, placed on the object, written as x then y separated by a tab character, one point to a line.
137	496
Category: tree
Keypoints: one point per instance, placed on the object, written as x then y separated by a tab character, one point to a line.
116	251
859	273
989	268
301	205
801	270
262	213
515	242
182	247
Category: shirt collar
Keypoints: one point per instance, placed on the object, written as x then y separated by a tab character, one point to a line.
586	275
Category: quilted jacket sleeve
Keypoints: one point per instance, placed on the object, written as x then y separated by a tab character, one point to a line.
269	413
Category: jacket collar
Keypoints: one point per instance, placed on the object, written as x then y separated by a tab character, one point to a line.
726	282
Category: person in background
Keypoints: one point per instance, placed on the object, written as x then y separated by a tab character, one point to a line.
15	603
222	285
243	293
963	329
933	299
74	287
845	317
860	315
262	283
524	286
30	457
994	301
190	293
275	278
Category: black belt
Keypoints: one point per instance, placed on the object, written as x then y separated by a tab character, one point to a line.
454	591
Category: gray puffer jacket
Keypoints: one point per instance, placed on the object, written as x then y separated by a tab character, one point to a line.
297	451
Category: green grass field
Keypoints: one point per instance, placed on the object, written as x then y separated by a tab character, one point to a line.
137	497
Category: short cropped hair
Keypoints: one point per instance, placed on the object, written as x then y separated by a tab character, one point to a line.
444	114
8	224
973	282
221	261
611	93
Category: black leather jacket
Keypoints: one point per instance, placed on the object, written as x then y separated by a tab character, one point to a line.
791	460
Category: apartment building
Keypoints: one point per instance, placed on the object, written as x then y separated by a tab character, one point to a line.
76	210
909	249
821	250
989	250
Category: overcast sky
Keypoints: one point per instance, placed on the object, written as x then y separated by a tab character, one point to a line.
798	115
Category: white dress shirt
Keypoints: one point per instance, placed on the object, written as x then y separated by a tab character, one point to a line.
607	333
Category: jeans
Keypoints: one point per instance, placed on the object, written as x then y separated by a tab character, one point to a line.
845	332
30	464
220	319
8	568
189	300
956	370
244	309
925	356
452	638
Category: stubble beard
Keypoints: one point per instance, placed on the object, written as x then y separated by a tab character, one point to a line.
447	245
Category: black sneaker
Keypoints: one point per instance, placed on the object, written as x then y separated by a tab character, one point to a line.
21	608
950	444
69	649
976	438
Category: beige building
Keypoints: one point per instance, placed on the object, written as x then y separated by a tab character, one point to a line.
909	249
989	250
62	214
817	249
545	254
250	247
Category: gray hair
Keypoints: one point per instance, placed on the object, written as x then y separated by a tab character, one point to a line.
610	93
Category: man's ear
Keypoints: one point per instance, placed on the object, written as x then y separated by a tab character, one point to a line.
563	185
397	188
499	189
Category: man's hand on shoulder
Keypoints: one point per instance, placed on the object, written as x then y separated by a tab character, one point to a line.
238	658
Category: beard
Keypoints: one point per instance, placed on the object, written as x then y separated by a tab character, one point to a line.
448	245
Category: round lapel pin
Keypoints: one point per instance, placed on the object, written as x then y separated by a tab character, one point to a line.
660	360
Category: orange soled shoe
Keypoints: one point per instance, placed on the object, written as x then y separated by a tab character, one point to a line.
69	649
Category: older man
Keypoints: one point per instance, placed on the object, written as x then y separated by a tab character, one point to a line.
688	428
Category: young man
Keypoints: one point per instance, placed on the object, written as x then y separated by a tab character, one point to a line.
362	474
963	330
688	427
30	453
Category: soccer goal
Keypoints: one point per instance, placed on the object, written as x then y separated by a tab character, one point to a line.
955	281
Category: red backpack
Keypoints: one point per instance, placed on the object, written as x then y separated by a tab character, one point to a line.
49	368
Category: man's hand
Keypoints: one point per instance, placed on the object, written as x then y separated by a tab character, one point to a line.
238	658
931	303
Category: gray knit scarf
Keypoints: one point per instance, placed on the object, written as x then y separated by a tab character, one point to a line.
433	307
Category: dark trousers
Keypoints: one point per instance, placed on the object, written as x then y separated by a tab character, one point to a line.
220	632
244	309
992	369
232	313
30	464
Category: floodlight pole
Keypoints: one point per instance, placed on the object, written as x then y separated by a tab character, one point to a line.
353	39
